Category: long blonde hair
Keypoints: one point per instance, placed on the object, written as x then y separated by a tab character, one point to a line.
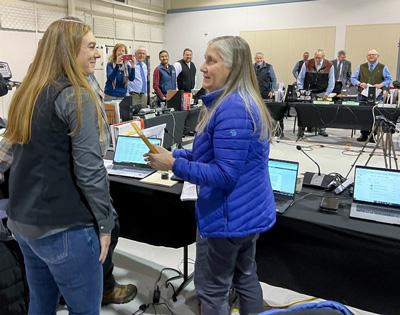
55	58
236	54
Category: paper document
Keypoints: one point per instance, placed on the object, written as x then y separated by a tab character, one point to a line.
365	91
189	192
155	179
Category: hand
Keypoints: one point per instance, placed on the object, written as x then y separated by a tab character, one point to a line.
363	85
270	94
119	60
163	161
324	97
379	86
105	240
132	62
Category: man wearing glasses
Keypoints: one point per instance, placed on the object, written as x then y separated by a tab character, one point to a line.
373	73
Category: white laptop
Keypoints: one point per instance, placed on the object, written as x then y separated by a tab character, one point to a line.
128	157
283	176
376	195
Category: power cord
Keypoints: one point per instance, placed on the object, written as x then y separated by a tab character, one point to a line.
291	304
144	307
156	294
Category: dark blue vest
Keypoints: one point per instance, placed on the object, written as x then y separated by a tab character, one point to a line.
167	79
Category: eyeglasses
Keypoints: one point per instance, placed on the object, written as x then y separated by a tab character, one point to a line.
371	55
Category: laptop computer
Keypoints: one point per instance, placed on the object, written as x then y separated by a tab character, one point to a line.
349	91
128	157
376	196
283	176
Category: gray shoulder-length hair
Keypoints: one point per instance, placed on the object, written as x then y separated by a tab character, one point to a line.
236	54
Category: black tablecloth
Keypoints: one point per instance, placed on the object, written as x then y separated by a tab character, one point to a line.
153	214
277	109
332	256
340	116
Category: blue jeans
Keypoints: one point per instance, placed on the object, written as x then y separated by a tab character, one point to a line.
66	263
221	263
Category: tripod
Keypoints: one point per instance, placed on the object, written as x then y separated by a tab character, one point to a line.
384	129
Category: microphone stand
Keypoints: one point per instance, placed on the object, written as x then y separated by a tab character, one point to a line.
316	179
178	144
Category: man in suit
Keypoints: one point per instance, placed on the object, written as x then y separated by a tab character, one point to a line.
342	68
299	64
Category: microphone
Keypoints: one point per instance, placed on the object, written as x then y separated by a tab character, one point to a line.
178	144
298	147
317	180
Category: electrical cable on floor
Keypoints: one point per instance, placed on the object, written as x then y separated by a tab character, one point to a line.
291	304
144	307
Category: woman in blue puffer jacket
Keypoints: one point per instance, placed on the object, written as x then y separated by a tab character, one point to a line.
229	164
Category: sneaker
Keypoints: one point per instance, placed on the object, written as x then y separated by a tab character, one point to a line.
120	294
323	133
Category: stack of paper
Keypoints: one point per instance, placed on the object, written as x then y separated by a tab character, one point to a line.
155	179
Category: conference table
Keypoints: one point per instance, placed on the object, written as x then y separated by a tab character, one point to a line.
340	116
154	215
332	256
277	109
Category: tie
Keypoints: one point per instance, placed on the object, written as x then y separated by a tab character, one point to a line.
371	67
337	71
144	83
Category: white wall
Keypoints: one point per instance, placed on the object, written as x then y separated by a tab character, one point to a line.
195	29
18	46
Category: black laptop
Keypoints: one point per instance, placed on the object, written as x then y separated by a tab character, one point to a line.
283	176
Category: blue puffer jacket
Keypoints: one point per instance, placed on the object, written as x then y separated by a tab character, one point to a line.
230	165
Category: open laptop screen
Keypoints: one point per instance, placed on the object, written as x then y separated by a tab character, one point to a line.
377	185
283	175
130	150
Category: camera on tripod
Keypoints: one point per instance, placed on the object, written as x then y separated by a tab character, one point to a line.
387	126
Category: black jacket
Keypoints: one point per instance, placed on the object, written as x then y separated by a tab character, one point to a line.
3	86
14	296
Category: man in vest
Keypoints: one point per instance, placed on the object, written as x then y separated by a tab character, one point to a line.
266	82
317	75
299	64
265	76
138	87
370	73
186	72
164	77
